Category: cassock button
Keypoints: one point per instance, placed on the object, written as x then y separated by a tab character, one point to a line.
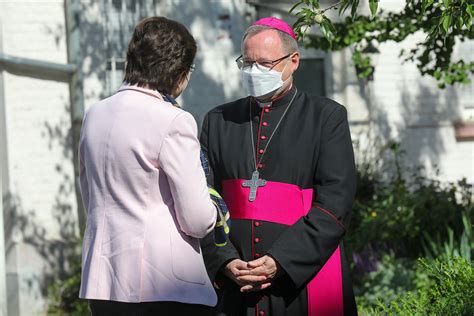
260	165
263	137
256	224
256	240
261	313
257	255
265	124
261	151
267	110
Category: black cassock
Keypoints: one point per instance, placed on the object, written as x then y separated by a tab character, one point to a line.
299	217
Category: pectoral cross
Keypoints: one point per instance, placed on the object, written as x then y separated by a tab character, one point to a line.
253	184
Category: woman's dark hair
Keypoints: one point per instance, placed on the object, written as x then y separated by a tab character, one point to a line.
160	52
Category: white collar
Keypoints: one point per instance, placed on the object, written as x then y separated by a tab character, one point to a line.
264	104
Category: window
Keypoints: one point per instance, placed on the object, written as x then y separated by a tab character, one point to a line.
310	76
115	73
120	18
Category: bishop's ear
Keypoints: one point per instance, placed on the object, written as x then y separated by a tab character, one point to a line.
295	60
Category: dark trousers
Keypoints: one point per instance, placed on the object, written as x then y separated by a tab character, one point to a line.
112	308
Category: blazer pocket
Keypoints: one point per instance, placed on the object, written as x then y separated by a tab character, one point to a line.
186	260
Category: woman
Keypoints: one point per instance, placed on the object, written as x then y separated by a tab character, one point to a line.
143	186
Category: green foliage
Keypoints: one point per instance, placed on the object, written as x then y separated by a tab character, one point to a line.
444	22
449	291
391	278
400	218
363	64
402	287
396	214
63	296
464	247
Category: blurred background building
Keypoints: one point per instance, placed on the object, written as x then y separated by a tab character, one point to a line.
58	57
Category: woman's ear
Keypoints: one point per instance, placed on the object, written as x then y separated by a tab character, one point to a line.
183	78
181	84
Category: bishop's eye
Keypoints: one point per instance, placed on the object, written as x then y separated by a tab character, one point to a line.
242	63
265	63
247	63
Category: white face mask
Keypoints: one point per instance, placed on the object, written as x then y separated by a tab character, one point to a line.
259	82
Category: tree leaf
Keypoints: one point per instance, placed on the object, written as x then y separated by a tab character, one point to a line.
373	4
329	25
325	30
314	4
470	9
467	17
427	4
295	6
459	23
446	23
355	5
344	5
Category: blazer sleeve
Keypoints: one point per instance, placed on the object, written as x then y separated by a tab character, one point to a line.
84	185
179	158
214	257
304	247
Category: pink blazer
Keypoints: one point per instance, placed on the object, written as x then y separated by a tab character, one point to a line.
147	202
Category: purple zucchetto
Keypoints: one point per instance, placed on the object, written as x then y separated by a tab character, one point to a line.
277	24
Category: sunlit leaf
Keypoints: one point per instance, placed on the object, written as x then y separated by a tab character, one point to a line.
295	6
446	22
373	4
355	5
315	3
329	25
427	4
344	5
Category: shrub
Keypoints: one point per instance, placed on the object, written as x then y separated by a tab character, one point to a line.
442	282
391	278
397	213
63	296
449	291
399	216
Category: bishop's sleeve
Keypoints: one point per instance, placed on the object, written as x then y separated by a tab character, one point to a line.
305	247
214	257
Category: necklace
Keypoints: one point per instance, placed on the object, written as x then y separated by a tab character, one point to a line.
255	182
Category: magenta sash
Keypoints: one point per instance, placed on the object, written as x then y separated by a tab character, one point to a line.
284	203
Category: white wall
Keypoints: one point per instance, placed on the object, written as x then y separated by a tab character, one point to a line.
4	189
41	201
410	109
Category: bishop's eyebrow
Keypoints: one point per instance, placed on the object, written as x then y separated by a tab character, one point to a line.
257	60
